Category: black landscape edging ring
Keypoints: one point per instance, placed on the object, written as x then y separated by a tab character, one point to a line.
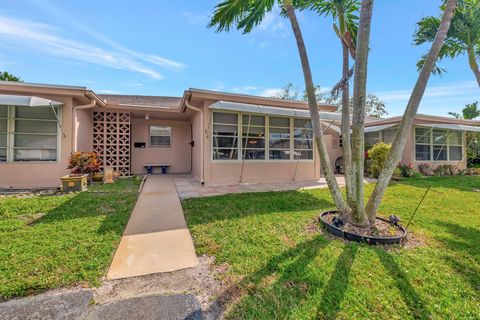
358	238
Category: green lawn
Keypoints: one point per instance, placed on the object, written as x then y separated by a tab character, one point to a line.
59	240
280	268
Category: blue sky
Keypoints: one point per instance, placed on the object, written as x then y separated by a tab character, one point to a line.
164	47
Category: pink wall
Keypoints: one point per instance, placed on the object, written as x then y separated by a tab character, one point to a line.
227	172
84	130
177	155
42	174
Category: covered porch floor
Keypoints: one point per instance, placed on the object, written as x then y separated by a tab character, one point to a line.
189	187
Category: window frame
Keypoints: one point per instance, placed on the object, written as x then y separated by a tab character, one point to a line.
213	135
243	149
11	133
150	145
240	148
432	144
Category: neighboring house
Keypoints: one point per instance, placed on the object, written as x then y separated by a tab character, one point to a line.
219	138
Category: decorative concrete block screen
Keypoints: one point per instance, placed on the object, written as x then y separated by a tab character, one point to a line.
111	140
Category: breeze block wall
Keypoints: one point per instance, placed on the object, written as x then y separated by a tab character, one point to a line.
111	140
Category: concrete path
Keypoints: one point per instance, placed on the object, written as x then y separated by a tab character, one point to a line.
180	306
77	305
189	187
156	238
56	306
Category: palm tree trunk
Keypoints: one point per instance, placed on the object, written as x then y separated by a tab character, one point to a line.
345	129
409	116
472	61
358	120
312	104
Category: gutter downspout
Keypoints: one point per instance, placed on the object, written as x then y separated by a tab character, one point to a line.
187	103
92	104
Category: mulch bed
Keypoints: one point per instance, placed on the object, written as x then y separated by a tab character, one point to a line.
381	228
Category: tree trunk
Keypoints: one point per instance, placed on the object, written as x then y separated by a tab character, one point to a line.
409	116
312	104
345	129
358	109
472	61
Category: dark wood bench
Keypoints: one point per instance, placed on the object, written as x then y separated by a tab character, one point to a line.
150	166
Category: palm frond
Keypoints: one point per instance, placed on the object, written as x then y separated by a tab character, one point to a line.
426	30
243	15
437	70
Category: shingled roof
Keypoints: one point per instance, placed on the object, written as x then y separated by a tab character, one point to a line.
144	101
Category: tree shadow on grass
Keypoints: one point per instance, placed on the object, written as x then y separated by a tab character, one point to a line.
114	207
292	284
337	286
233	206
412	299
286	269
465	244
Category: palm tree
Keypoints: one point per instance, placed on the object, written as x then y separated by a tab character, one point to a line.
245	15
409	115
463	36
344	13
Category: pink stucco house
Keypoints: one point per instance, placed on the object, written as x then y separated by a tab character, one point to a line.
219	138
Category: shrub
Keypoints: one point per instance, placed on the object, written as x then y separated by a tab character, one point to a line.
378	156
416	175
425	169
84	163
439	171
407	171
445	170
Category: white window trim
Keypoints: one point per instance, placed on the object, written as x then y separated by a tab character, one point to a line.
446	145
11	137
267	140
265	127
150	136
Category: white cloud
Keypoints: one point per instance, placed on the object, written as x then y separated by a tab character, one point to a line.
455	89
66	18
270	92
437	99
49	39
273	30
244	89
108	91
218	86
134	84
460	88
195	18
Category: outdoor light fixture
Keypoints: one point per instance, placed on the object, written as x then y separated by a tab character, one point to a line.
147	117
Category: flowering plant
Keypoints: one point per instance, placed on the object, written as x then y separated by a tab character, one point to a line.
84	163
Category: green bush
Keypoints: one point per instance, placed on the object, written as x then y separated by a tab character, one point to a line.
377	157
445	170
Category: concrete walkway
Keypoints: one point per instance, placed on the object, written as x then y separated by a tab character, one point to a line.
189	187
156	238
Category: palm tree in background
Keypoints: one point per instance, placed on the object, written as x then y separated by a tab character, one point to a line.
463	36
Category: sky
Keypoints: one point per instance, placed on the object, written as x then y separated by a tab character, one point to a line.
164	47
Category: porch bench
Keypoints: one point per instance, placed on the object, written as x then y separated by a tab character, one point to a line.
150	166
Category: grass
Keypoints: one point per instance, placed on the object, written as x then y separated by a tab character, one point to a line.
280	269
61	240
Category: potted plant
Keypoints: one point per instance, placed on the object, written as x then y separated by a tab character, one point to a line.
83	166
